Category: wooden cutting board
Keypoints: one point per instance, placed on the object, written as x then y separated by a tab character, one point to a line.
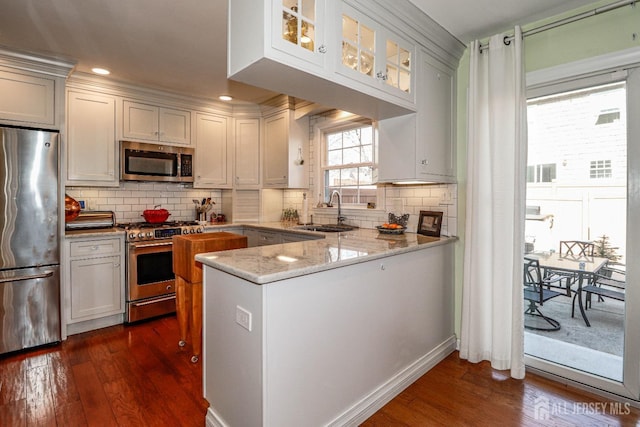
186	247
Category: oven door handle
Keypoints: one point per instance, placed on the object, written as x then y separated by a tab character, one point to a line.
140	304
151	245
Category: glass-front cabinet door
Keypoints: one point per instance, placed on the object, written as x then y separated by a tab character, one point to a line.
358	46
398	71
299	29
375	56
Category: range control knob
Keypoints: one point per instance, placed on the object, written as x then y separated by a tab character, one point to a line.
200	230
141	235
149	234
132	236
192	231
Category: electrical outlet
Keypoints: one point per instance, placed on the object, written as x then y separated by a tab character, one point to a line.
243	318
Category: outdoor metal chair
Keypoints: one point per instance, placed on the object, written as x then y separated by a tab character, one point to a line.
609	282
577	248
536	293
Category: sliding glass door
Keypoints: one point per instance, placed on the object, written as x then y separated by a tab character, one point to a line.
583	185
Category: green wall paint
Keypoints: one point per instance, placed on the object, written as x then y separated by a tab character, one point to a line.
593	36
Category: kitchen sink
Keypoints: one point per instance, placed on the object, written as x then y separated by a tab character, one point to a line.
327	228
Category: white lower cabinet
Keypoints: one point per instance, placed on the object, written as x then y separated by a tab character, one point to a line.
95	283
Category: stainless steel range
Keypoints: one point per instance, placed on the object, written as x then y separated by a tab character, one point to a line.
149	267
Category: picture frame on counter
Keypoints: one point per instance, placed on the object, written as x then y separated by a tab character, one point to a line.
430	223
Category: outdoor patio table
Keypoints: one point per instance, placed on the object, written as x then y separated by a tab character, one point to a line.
581	266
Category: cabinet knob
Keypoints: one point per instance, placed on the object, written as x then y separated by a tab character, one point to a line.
424	162
168	287
322	49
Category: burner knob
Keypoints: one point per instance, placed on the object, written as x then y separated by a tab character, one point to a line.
141	235
132	236
149	234
199	230
192	231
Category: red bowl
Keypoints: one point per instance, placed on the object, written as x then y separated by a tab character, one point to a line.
155	215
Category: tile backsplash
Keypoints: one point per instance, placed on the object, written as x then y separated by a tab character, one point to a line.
130	199
399	199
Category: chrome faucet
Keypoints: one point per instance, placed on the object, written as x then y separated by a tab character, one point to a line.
341	218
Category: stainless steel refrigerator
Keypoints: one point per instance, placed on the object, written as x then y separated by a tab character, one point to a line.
29	244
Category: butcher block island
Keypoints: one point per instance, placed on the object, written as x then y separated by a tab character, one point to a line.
323	332
188	273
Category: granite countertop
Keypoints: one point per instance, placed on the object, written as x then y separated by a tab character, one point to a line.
265	264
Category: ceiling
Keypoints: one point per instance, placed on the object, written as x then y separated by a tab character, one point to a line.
180	46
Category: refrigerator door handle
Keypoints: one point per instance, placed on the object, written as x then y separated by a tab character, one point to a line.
29	277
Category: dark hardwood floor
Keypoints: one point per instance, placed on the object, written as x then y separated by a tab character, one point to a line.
138	376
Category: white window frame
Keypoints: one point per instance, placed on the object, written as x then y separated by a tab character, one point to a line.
336	125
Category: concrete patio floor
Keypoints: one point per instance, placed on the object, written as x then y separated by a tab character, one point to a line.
597	349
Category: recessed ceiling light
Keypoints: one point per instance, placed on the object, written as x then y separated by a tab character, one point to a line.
101	71
225	98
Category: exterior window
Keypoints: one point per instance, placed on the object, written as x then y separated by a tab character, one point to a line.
608	116
541	173
348	165
600	169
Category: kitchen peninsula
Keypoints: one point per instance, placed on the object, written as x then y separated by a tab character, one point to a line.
323	332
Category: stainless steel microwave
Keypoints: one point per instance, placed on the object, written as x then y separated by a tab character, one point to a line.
155	162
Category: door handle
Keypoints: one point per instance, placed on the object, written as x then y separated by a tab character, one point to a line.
29	277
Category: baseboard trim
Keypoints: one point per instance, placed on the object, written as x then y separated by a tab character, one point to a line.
93	324
213	419
370	404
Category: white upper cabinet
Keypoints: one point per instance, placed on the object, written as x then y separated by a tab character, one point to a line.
91	139
301	31
27	98
286	145
375	56
420	146
247	153
213	154
435	150
153	123
294	48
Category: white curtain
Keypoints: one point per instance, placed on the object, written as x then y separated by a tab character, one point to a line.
492	300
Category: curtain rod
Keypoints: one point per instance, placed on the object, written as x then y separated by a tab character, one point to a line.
568	20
